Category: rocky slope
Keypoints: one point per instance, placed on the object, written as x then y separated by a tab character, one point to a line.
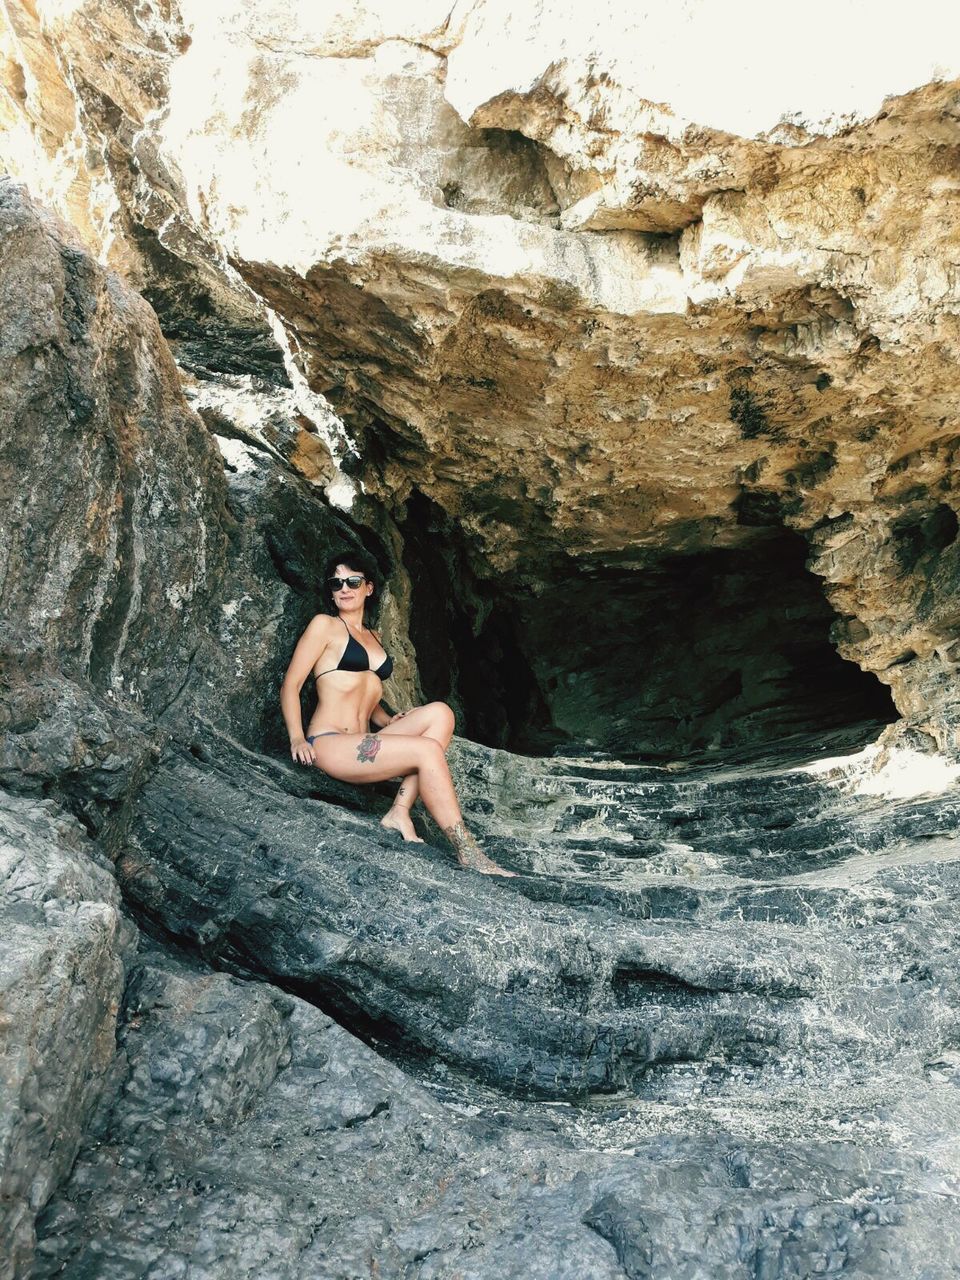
687	377
63	944
731	995
137	594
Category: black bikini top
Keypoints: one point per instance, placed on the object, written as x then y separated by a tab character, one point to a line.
356	658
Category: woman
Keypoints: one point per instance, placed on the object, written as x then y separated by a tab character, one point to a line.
349	665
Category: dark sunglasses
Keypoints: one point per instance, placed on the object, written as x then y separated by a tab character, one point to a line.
354	581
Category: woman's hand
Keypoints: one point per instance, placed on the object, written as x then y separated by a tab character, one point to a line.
302	751
398	716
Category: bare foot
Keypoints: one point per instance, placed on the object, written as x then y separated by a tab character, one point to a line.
486	866
470	855
398	819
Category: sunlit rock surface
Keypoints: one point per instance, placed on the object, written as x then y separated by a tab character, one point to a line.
668	919
578	311
648	393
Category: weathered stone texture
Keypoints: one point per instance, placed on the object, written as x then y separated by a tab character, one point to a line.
758	966
247	1134
122	564
111	488
592	324
63	943
552	984
608	369
135	581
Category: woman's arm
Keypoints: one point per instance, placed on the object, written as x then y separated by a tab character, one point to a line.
381	715
309	648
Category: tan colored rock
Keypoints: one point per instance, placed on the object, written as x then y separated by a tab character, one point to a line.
557	282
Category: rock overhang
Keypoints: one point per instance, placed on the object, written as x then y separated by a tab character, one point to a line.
594	323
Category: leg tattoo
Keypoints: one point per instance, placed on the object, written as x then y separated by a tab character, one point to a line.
397	818
370	744
469	853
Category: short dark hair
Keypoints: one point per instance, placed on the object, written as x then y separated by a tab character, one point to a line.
363	562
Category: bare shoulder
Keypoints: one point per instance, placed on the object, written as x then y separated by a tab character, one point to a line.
321	622
316	636
318	631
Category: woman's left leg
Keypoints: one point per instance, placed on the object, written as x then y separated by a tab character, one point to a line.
437	721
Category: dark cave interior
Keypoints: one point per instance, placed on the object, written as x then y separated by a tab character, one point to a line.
722	650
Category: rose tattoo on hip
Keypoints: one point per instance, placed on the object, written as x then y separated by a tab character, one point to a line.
367	750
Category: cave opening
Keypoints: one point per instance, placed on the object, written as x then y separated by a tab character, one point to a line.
720	650
717	650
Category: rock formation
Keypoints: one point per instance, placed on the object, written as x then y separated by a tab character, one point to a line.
649	399
591	343
63	944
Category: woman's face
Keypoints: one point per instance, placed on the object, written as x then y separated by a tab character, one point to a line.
350	597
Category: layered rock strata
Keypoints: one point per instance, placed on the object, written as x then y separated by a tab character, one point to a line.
263	1121
771	1043
581	345
667	920
124	565
689	965
587	329
144	569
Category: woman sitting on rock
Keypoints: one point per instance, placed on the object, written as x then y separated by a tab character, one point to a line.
349	665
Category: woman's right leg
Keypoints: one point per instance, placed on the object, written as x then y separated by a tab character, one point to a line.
368	757
435	720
